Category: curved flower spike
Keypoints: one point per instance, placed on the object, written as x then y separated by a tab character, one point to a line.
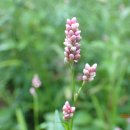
89	72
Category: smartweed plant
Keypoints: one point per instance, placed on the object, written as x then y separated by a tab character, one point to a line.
71	57
36	83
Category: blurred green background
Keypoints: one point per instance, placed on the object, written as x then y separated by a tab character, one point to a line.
31	41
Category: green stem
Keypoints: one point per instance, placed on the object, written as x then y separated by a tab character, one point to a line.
73	91
75	100
35	108
71	124
74	94
78	92
68	126
73	81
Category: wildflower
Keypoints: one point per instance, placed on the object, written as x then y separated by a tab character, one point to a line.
72	46
36	81
68	111
32	91
89	72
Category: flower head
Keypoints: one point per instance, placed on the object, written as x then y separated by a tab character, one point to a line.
72	46
32	91
68	111
89	72
36	81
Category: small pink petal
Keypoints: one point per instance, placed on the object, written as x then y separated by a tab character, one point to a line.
72	109
87	66
77	56
71	56
84	77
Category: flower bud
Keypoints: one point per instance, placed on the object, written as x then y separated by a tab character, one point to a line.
32	91
89	72
68	111
36	81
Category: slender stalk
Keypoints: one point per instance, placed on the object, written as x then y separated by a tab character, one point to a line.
73	91
74	94
35	108
71	123
72	80
77	93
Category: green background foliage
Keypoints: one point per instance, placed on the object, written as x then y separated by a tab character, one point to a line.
31	41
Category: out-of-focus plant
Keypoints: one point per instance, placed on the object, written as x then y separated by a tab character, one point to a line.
36	83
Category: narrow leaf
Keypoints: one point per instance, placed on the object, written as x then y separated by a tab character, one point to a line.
21	120
57	122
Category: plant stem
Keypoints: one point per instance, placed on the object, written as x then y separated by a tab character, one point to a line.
73	80
71	124
78	92
73	91
35	108
75	97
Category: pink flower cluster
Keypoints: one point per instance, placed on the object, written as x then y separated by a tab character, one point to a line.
36	83
68	111
72	46
89	72
32	90
72	54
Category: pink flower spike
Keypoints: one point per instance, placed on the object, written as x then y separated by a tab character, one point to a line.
72	40
36	81
68	111
89	72
32	91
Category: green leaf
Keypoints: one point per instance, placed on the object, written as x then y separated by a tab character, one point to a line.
57	122
7	46
12	62
87	119
21	120
97	107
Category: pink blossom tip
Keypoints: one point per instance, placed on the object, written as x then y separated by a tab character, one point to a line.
36	81
32	91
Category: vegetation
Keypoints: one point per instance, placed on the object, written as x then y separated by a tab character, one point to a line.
31	41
